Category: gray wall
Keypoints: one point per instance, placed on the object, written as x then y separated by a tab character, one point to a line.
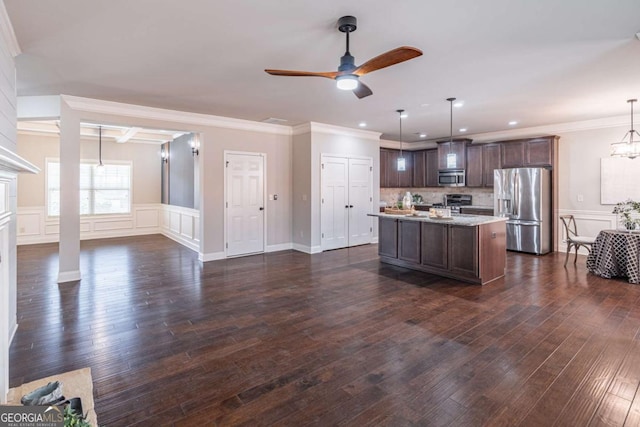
181	172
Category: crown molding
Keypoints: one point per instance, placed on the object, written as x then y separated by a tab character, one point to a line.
552	129
315	127
152	113
7	33
10	161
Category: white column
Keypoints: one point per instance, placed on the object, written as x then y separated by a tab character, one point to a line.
69	250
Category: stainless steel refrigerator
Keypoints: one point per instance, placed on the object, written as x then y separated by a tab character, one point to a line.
523	195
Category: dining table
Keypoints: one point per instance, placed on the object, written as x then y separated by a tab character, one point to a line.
616	254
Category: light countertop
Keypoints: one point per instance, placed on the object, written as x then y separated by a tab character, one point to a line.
460	219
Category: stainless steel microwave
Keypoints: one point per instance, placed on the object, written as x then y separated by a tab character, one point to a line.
451	178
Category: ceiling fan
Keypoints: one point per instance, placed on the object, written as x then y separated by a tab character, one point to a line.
348	74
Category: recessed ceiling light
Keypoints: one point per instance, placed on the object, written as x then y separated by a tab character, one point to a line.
462	129
458	104
362	124
513	123
422	135
424	105
404	115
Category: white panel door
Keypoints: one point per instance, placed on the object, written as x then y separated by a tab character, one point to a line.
334	214
360	201
245	204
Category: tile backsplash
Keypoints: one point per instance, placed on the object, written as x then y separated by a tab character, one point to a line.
481	196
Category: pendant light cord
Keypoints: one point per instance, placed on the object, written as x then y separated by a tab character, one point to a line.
400	114
99	145
450	122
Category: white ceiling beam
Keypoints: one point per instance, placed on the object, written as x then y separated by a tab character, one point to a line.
128	135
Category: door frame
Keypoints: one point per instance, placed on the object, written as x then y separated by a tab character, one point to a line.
343	156
225	158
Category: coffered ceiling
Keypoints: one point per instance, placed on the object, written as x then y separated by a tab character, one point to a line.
534	62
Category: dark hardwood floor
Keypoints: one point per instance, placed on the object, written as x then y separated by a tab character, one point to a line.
330	339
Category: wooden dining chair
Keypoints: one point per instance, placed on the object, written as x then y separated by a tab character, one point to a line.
574	240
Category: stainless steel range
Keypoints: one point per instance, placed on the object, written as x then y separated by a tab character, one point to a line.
456	201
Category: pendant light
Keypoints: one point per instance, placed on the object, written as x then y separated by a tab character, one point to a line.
451	157
100	165
629	149
402	164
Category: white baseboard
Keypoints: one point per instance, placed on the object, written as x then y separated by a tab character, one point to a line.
279	247
194	246
69	276
214	256
307	249
374	240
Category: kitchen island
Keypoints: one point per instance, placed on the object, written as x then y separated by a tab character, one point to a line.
471	248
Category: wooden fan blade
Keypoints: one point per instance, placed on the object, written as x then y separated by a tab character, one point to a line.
391	57
362	90
290	73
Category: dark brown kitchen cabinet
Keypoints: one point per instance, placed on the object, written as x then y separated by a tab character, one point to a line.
392	179
405	177
475	254
491	160
431	168
425	168
384	158
409	241
528	152
419	169
435	245
388	237
457	147
476	211
463	250
475	172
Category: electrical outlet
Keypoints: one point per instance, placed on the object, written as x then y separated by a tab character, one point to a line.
304	197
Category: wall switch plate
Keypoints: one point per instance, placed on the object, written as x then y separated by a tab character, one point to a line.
580	197
275	197
270	196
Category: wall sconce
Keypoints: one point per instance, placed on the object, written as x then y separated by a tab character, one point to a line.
164	154
195	147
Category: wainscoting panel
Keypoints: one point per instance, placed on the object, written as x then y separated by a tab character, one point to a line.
35	227
182	225
589	223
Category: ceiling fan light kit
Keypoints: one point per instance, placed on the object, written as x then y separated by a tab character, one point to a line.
348	75
347	82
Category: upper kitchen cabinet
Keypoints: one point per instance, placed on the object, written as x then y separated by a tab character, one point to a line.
491	160
431	167
390	177
482	159
446	151
405	177
474	169
425	168
528	152
419	169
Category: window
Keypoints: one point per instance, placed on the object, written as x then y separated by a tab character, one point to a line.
105	190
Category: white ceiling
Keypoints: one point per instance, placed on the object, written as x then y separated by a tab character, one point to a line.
538	62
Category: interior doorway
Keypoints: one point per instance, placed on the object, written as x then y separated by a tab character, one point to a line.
244	203
347	198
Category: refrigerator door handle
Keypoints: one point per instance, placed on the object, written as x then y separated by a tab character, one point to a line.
516	194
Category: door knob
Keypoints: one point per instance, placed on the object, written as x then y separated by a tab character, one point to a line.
261	208
346	206
350	206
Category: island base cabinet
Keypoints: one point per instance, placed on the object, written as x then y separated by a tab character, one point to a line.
475	254
463	250
434	239
388	237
